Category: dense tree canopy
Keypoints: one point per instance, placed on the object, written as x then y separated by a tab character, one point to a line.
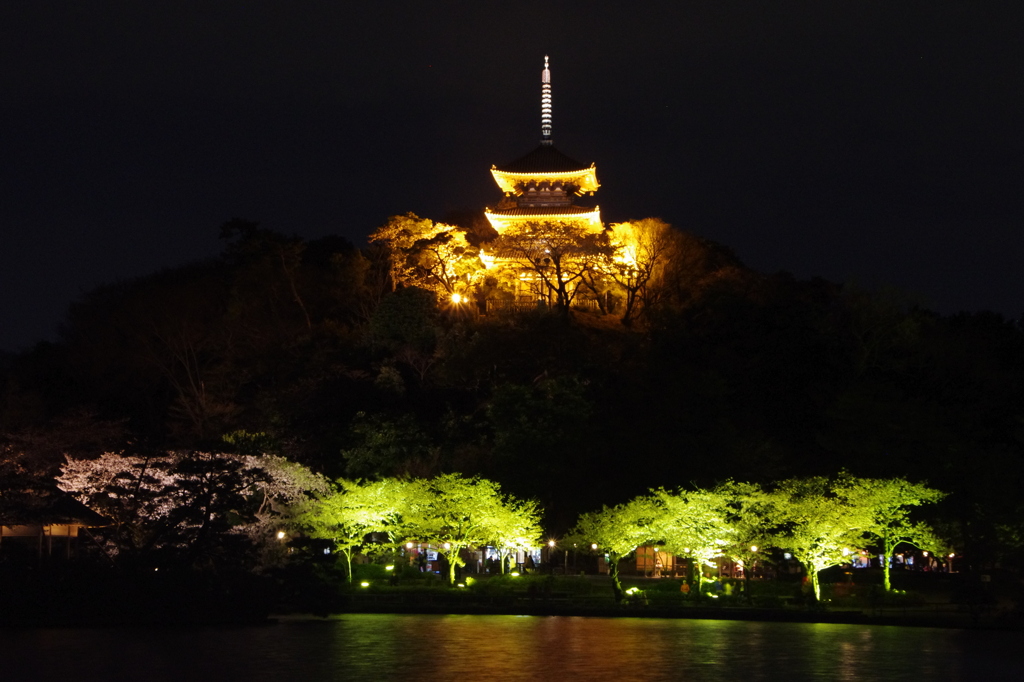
186	508
355	362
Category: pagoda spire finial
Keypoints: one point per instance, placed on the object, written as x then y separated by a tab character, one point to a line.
545	104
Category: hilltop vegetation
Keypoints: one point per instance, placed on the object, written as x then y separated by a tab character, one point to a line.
310	350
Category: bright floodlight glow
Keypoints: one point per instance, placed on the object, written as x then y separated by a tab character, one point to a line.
408	545
456	298
389	568
753	548
280	535
514	574
364	584
593	546
951	555
551	543
447	545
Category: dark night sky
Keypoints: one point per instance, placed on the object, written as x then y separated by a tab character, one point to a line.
873	141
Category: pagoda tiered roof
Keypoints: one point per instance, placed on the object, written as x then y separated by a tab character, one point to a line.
543	211
503	218
544	159
541	185
546	163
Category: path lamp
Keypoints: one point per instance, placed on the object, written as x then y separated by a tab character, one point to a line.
551	554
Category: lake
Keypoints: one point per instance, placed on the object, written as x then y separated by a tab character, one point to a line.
459	648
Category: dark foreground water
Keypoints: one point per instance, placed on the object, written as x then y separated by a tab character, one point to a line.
501	648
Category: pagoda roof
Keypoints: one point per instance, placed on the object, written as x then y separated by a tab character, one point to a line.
546	163
543	159
545	211
503	218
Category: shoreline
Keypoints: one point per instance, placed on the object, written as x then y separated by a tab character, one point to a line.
948	620
908	618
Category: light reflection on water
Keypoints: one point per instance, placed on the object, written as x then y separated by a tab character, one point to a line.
366	647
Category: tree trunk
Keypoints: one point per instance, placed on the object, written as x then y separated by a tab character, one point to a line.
697	574
888	549
613	572
815	584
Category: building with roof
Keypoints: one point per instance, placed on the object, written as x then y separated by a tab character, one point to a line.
544	184
547	242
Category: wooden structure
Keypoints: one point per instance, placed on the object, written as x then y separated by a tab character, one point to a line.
543	185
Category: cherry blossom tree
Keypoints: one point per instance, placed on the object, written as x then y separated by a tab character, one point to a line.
183	507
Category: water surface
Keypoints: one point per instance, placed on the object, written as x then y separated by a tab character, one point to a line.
462	648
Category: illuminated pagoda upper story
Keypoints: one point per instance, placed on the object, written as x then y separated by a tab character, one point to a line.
543	185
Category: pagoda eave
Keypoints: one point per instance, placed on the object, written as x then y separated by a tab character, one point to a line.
501	220
585	179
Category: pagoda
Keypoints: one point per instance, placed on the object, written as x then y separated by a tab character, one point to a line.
543	185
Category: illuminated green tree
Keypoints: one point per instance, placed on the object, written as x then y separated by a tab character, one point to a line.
750	511
888	503
693	524
456	513
515	526
353	510
617	531
822	522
